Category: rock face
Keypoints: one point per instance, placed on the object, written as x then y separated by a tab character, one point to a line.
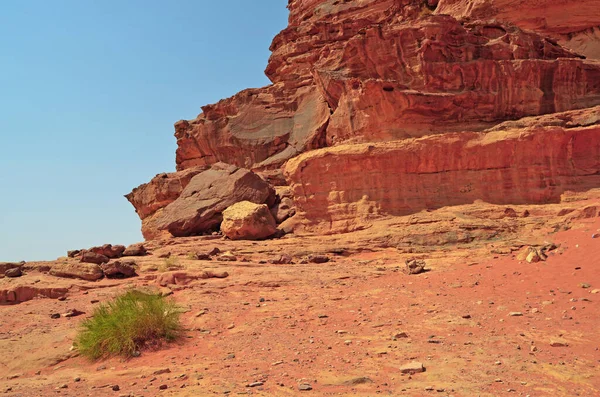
109	250
371	71
344	187
248	221
84	271
383	70
574	24
198	208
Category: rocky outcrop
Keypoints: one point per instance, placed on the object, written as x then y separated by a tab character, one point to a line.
248	221
348	72
345	187
161	191
384	70
198	209
574	24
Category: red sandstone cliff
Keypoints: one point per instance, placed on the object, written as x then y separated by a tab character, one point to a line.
347	72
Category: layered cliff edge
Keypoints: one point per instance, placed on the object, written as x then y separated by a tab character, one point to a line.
408	103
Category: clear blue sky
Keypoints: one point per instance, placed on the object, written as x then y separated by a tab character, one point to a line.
89	92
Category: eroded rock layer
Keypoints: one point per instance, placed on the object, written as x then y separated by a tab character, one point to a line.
345	187
575	24
382	70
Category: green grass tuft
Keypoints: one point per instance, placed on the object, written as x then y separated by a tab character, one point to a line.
127	324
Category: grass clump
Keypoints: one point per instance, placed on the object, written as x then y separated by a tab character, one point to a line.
127	324
169	264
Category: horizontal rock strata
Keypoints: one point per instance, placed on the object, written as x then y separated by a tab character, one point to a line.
342	188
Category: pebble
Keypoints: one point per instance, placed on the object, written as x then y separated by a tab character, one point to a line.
304	387
116	388
162	371
515	314
596	291
255	384
412	368
55	315
585	285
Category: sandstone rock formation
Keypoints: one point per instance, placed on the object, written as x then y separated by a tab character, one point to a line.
574	24
344	187
371	71
385	70
199	206
248	221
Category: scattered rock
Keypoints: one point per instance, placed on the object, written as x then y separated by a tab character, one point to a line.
585	285
162	371
313	258
73	313
255	384
84	271
415	266
595	291
558	342
119	269
137	249
108	250
412	368
400	335
304	387
596	235
281	260
162	387
248	221
93	257
116	388
515	314
73	253
283	210
357	381
14	272
227	257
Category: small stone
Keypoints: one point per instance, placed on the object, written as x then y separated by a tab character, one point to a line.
596	291
73	313
162	387
255	384
201	313
347	342
414	266
585	285
162	371
55	315
116	388
400	335
466	316
77	379
304	387
63	386
515	314
595	235
558	343
412	368
231	326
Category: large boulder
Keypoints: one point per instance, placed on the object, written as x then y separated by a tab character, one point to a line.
136	249
93	257
84	271
248	221
119	269
109	250
200	206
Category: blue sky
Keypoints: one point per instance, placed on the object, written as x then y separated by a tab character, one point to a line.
89	92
